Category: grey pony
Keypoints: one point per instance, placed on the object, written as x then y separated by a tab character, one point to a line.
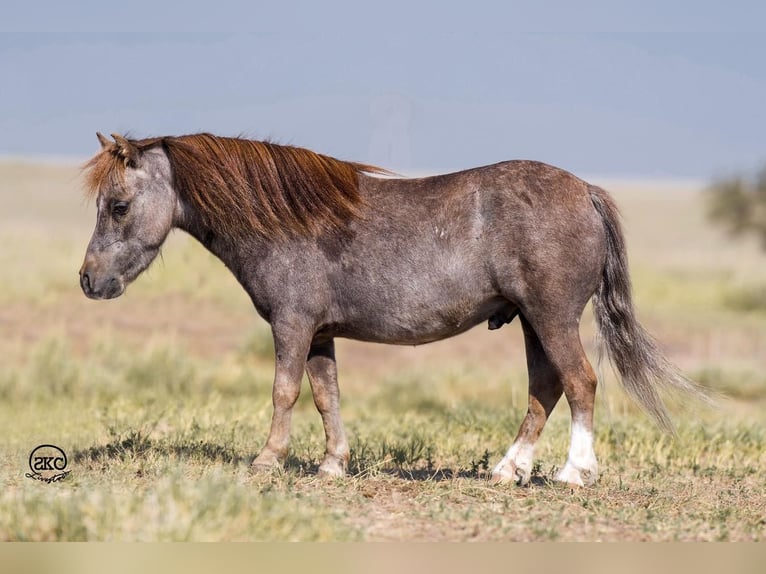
422	260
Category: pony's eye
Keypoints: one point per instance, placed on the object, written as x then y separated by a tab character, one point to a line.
119	208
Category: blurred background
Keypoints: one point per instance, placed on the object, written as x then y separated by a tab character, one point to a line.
412	86
163	388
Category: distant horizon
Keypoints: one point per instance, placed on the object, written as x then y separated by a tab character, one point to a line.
657	105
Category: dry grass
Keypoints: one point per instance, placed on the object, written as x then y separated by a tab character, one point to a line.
161	398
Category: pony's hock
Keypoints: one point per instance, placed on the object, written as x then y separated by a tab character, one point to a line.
326	250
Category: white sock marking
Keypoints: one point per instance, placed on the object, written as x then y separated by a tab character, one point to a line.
581	467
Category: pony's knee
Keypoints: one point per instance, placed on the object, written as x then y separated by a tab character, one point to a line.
285	394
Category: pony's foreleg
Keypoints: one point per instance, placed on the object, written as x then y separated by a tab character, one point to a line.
291	345
323	377
545	389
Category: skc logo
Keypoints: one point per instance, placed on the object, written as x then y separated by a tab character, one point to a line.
47	463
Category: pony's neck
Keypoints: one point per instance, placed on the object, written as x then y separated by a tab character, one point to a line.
230	252
241	257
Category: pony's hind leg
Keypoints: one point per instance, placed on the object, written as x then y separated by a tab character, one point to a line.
323	377
545	389
581	467
561	341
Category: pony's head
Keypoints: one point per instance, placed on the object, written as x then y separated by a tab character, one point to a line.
136	206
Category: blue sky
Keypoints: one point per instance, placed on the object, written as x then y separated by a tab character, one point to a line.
412	87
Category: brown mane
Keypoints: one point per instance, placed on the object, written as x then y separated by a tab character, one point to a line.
240	186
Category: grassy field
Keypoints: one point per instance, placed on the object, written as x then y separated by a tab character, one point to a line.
161	398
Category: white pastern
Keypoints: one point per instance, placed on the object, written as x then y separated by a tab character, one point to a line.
581	468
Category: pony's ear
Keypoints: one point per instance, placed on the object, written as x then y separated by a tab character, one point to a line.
104	141
126	150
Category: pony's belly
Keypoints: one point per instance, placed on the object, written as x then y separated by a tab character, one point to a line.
417	327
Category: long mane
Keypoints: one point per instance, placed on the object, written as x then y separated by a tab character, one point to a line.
239	187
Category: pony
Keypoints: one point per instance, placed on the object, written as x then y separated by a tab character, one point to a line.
328	248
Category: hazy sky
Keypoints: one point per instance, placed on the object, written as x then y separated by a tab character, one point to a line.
423	87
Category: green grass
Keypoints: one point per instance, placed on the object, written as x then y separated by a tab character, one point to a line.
159	444
161	398
746	299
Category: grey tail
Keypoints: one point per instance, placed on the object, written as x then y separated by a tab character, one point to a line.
633	352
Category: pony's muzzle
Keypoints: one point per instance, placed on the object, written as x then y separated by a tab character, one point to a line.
95	288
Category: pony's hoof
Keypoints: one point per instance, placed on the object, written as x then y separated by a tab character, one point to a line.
265	463
573	476
264	468
510	473
331	469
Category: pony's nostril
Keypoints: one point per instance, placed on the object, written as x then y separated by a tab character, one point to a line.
85	282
